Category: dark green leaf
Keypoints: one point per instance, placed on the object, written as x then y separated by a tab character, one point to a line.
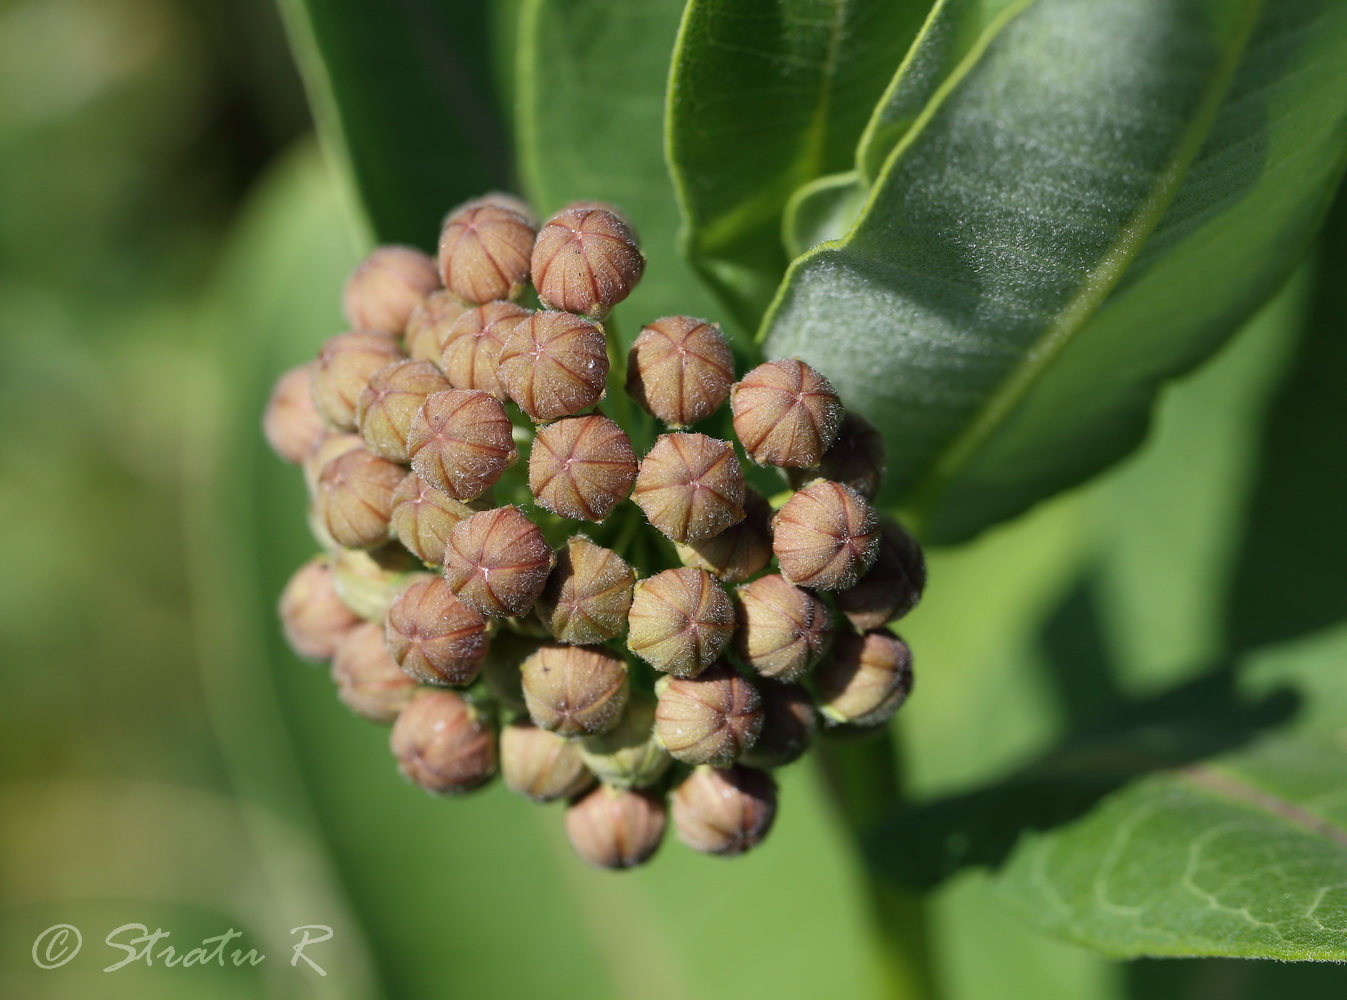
1031	264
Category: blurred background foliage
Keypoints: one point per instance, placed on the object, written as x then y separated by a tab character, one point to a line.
171	239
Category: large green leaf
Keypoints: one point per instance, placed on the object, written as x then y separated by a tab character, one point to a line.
1090	204
765	96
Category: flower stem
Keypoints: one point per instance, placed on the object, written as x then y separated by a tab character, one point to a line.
865	784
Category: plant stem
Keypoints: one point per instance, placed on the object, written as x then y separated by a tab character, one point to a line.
864	781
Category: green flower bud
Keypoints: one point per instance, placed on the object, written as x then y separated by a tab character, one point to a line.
461	441
291	423
343	369
433	636
680	369
423	517
355	498
826	536
429	326
313	617
865	680
781	630
540	765
616	828
709	719
369	681
443	743
587	595
553	365
679	622
788	724
856	459
740	551
484	249
497	561
386	286
785	413
367	582
586	259
724	812
891	587
581	467
388	405
629	755
690	486
575	690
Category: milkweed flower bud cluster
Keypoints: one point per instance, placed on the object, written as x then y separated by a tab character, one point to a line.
597	605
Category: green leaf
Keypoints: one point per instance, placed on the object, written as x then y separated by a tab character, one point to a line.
1091	204
590	81
402	96
765	96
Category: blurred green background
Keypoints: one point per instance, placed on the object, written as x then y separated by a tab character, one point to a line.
171	240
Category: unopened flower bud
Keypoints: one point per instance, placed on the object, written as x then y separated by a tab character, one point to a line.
484	250
443	743
386	286
891	587
325	450
780	630
367	581
472	346
501	671
388	404
343	369
313	617
434	636
586	260
423	517
628	755
461	441
724	812
680	620
690	486
369	681
575	690
429	326
616	828
581	467
865	679
709	719
497	561
291	423
856	459
741	550
541	765
554	364
680	369
825	536
587	595
785	413
355	498
788	724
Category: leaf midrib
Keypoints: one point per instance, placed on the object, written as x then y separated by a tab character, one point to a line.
1231	786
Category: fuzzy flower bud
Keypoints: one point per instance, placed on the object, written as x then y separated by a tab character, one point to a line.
690	486
433	636
628	756
313	617
785	413
709	719
291	423
423	517
553	365
616	828
429	326
741	550
891	587
680	369
865	680
461	441
856	459
825	536
369	681
587	595
724	812
472	346
781	630
575	690
581	467
355	498
368	581
484	249
497	561
788	725
389	403
586	260
324	450
444	744
386	286
343	369
679	622
540	765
